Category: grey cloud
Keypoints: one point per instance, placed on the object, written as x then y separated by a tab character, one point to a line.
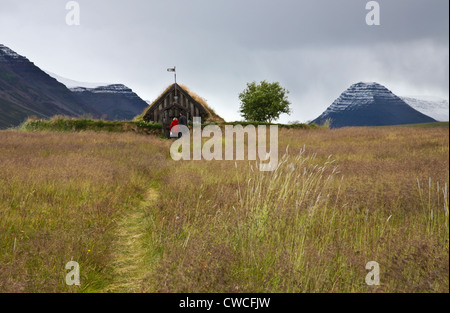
315	48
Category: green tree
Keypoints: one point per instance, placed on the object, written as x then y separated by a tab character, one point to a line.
264	102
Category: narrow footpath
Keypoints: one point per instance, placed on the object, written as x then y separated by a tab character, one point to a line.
129	251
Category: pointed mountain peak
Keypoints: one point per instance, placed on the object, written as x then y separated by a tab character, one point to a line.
370	104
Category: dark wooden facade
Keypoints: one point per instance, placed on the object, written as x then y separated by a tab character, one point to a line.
171	103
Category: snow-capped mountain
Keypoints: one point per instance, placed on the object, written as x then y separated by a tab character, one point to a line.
26	90
69	83
113	88
116	102
434	107
370	104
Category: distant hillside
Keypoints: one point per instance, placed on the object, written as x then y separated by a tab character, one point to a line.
370	104
26	90
115	102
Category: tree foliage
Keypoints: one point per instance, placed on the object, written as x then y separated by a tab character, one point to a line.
264	102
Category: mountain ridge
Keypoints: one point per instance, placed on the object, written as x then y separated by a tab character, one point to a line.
26	90
115	101
370	104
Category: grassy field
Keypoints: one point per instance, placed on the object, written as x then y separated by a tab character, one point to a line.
67	124
425	125
136	220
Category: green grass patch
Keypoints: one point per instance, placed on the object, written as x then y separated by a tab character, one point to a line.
65	124
246	123
59	124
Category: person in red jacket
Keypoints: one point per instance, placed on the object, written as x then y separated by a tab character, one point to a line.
174	129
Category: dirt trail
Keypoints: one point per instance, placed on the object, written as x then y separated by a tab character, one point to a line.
129	251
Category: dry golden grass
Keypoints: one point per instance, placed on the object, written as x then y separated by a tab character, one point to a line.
60	196
349	197
310	227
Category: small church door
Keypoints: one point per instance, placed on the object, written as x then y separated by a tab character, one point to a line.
168	115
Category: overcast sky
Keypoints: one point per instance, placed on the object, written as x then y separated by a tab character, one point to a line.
315	48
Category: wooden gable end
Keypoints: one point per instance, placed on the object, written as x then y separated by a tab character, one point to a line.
165	108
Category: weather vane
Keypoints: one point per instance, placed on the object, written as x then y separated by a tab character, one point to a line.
174	70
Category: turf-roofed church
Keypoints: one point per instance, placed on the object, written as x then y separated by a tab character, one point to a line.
178	99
